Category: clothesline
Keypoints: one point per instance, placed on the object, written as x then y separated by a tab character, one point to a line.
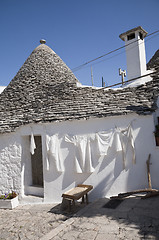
121	139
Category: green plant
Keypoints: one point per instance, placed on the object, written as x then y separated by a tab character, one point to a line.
156	132
8	195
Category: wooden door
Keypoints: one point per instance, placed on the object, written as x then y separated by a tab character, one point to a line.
37	163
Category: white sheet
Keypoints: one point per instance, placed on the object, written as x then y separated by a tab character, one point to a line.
104	140
53	147
127	140
82	158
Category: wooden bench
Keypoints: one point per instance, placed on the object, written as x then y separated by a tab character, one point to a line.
81	191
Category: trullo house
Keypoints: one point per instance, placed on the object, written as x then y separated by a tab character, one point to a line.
56	133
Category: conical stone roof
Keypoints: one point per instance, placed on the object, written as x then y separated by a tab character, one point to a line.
45	90
37	82
154	61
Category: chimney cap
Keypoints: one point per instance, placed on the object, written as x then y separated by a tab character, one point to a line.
139	29
42	41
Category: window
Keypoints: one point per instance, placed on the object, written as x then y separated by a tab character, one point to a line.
141	36
131	36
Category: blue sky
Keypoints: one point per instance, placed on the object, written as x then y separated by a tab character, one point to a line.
77	30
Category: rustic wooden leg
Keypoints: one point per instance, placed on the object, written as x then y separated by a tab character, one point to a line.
83	199
86	198
69	205
64	204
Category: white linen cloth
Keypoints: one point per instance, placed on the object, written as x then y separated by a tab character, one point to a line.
104	140
127	140
82	158
47	139
53	150
79	155
88	160
32	144
120	139
117	140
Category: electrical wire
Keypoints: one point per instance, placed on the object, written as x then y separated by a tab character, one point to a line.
108	58
115	50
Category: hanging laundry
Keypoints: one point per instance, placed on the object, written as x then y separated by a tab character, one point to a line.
79	154
82	158
127	140
117	140
120	139
132	143
54	152
47	151
88	162
47	142
104	141
32	144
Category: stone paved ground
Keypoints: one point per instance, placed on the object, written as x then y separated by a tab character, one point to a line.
133	219
30	221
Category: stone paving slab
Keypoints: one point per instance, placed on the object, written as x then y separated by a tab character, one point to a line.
133	219
31	221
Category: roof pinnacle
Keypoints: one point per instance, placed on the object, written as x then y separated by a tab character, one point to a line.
42	41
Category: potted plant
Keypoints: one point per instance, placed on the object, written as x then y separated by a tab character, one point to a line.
9	200
156	132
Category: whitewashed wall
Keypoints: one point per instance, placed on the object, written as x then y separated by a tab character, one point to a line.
109	177
10	163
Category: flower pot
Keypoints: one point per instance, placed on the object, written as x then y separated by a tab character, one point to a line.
9	203
157	141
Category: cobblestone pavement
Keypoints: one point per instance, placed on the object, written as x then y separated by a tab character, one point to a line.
133	219
30	221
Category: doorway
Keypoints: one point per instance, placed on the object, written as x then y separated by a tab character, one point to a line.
37	163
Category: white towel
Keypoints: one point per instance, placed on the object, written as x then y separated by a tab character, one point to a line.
32	144
104	141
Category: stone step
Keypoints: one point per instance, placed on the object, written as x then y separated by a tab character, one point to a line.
29	199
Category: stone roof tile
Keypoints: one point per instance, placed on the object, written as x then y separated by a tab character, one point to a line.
45	90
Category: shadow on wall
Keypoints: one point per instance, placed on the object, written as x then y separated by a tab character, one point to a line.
109	174
70	176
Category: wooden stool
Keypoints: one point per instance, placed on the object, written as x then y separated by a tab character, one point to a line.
81	191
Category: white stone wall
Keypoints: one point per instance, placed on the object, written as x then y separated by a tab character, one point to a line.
109	177
10	163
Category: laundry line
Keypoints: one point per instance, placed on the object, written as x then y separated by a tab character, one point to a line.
122	139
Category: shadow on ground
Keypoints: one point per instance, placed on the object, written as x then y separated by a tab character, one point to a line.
58	209
133	215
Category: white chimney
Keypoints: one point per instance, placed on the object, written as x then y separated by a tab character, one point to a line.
135	51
